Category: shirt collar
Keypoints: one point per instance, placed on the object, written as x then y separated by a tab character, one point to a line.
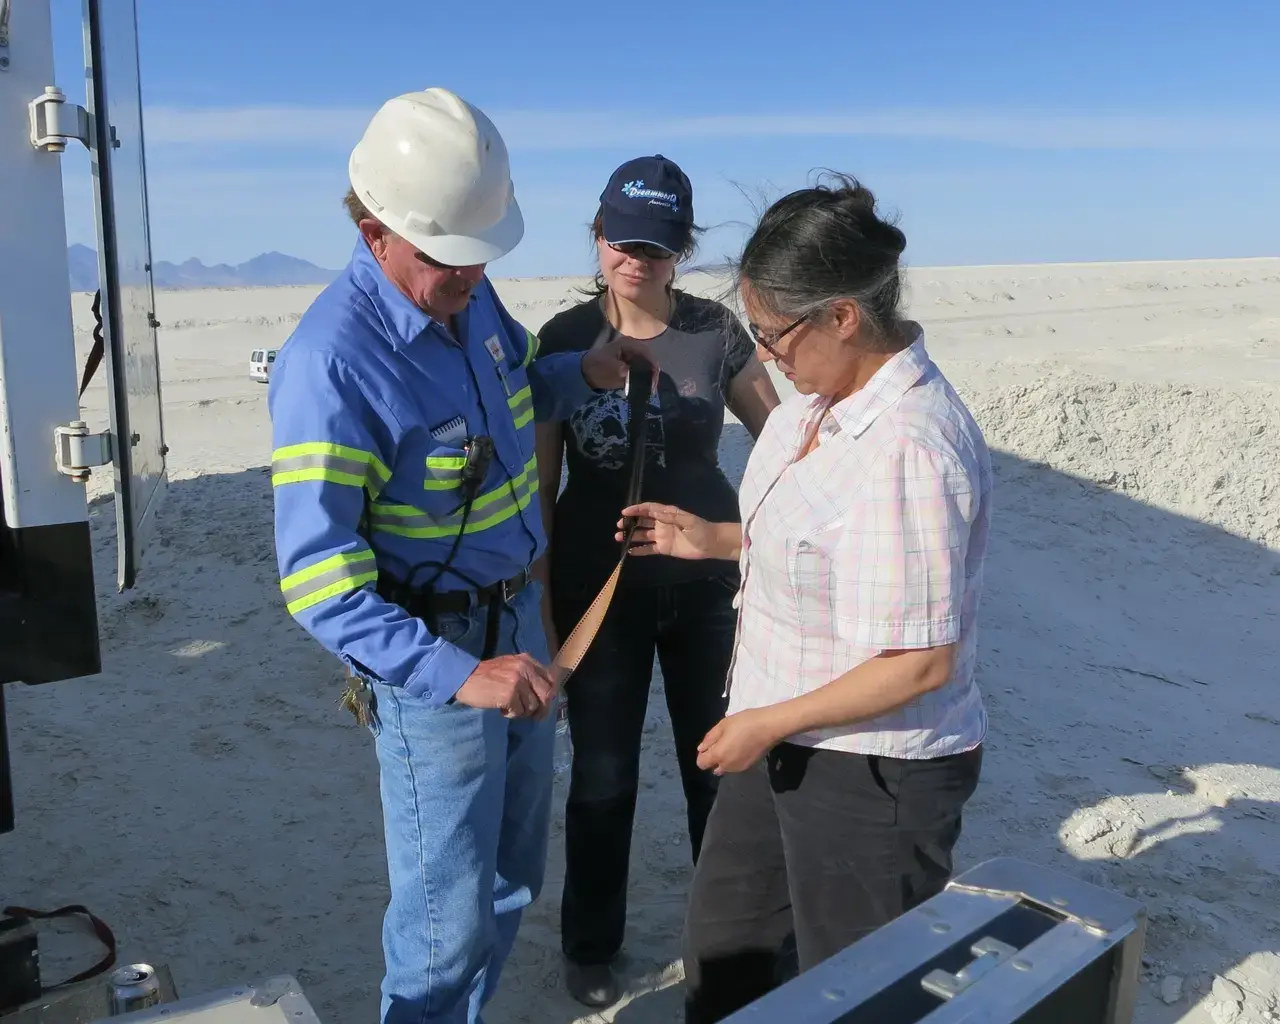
883	391
403	319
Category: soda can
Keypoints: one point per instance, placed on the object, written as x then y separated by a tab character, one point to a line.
134	987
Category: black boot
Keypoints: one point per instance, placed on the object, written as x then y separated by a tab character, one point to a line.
593	985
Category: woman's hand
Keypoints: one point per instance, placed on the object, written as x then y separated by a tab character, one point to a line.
738	741
667	530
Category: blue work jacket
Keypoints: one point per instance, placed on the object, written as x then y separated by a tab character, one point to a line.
370	402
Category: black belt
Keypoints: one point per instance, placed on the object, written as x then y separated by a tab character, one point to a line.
420	603
429	604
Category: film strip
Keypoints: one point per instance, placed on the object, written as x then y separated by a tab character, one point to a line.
639	389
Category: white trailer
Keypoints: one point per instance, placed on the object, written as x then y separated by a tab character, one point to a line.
46	453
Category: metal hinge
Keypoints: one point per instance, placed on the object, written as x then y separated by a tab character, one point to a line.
77	451
4	34
52	124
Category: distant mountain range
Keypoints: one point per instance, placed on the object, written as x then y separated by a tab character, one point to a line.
270	270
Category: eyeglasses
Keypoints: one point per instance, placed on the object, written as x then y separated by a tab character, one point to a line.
422	257
767	342
646	249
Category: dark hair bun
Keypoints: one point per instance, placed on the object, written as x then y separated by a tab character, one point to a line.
857	202
885	235
823	243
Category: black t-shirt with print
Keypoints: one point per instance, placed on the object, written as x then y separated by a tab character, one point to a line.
703	348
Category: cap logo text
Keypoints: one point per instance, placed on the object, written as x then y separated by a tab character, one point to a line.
636	190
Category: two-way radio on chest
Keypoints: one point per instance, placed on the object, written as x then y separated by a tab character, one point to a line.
479	452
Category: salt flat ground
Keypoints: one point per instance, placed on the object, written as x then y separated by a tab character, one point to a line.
206	798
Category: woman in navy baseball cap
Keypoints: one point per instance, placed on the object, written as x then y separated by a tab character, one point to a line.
682	611
647	208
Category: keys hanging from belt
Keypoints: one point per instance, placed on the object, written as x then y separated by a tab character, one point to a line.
358	699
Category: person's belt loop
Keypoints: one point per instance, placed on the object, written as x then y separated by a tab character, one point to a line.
507	591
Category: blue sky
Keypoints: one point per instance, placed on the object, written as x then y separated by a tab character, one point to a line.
999	132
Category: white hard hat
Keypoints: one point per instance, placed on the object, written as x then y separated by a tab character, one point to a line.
434	170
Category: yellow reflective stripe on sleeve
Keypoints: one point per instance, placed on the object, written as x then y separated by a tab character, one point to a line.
332	463
530	347
336	575
521	404
489	509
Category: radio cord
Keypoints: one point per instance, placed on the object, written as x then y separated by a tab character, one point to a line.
474	471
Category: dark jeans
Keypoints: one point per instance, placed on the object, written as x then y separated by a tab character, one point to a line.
691	626
819	845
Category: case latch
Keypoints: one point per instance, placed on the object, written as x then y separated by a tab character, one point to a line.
989	953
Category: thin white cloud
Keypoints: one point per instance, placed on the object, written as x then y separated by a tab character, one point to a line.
551	130
533	130
262	125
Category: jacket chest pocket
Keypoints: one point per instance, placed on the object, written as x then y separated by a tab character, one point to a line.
440	511
432	485
444	466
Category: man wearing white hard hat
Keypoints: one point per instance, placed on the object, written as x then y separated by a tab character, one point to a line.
407	521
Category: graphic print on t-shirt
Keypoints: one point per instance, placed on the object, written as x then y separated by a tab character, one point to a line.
702	350
600	430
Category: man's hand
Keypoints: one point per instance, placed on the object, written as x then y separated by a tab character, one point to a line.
515	684
605	368
737	742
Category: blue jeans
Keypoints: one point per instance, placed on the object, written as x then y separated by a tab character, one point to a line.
466	803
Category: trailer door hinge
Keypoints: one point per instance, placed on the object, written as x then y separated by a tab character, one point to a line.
55	122
4	35
77	451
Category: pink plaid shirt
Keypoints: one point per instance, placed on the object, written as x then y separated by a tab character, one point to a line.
874	541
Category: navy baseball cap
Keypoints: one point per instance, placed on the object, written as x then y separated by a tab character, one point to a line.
648	199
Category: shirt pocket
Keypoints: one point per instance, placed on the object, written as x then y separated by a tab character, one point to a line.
442	495
442	480
431	509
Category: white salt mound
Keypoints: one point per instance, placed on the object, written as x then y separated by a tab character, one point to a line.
1210	454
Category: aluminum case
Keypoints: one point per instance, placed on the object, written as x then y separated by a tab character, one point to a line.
1005	942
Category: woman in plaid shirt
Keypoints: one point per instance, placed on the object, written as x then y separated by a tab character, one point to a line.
855	728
